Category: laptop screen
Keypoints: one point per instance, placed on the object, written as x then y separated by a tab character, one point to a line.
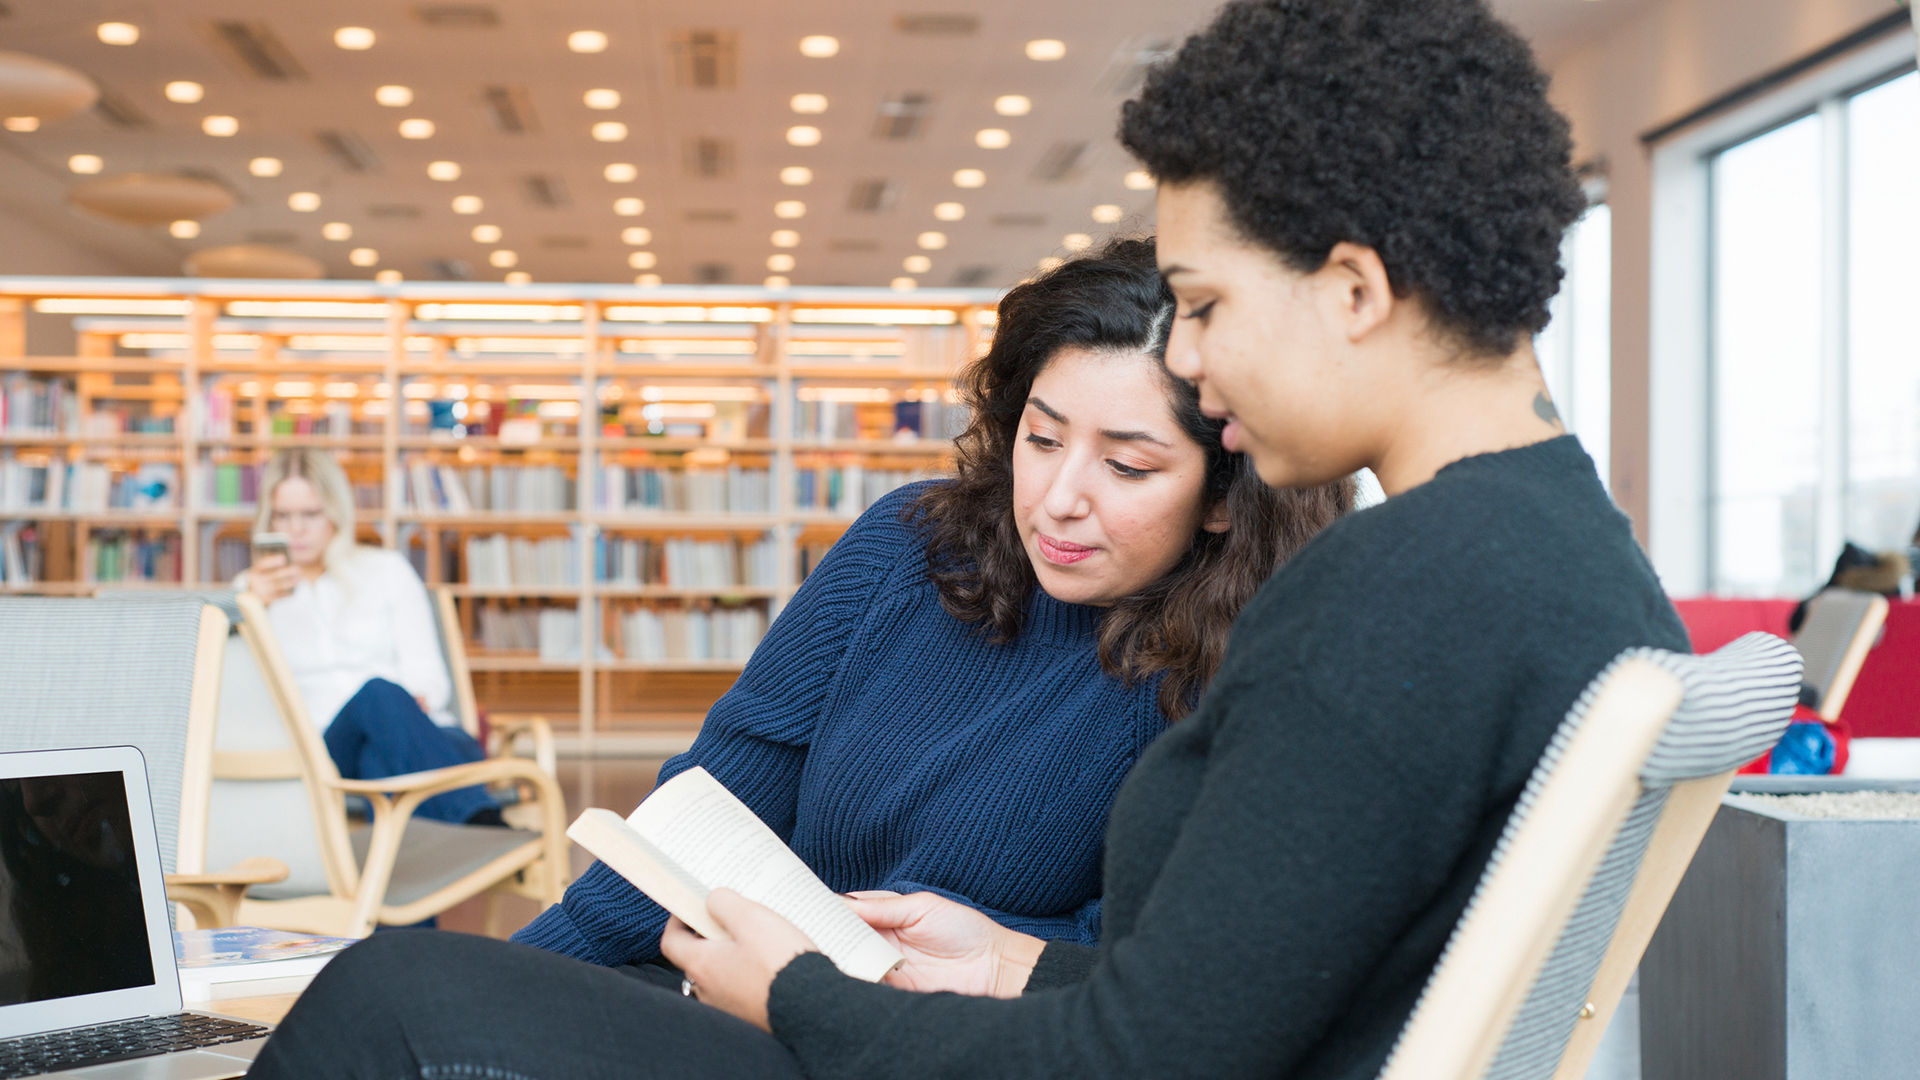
72	920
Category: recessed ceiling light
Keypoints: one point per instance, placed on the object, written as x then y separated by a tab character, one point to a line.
23	123
904	284
636	235
643	260
118	33
969	178
467	204
337	230
803	135
86	164
1138	180
789	208
303	201
602	99
1046	49
416	128
647	281
587	41
932	241
1012	105
629	207
819	46
519	277
264	166
992	139
609	131
184	92
220	126
443	170
184	230
363	257
1107	213
784	238
355	38
796	176
809	103
949	211
780	264
1077	241
394	97
486	234
620	173
775	281
388	277
916	264
502	258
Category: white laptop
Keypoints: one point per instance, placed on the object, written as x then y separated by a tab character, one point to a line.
88	986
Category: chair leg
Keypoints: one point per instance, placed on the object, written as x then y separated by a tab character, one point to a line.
490	925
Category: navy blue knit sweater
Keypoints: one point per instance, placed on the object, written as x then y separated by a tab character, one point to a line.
894	747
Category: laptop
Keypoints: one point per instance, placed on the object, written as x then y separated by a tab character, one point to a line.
88	986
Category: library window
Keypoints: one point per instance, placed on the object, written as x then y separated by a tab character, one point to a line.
1815	332
1575	350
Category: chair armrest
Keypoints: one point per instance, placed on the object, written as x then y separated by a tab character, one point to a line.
432	781
502	730
258	870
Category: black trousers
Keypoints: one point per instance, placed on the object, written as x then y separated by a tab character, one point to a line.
441	1006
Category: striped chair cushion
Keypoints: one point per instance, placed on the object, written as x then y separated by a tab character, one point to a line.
91	673
1736	703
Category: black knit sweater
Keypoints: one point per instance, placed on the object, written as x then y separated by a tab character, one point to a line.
1284	866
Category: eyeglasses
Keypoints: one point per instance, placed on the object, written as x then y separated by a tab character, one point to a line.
282	520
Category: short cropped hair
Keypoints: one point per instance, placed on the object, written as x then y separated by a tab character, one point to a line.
1418	128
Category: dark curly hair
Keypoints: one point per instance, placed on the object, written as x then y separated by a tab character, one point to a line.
1113	301
1418	128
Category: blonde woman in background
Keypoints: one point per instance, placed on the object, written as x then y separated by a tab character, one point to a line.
358	632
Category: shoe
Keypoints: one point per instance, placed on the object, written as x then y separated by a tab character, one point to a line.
489	816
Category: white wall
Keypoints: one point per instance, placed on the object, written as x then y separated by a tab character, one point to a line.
1663	61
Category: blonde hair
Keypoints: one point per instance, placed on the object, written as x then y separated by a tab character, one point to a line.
318	468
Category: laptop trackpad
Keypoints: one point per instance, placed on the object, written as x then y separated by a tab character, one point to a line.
188	1065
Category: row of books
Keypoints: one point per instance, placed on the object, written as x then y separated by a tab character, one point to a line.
732	490
108	422
38	406
500	561
123	556
231	554
86	486
552	630
453	489
819	421
663	634
22	555
849	489
229	483
686	563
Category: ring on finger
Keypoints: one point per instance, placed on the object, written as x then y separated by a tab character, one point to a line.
687	989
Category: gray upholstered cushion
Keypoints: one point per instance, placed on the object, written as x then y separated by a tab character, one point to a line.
220	598
1736	703
434	854
94	673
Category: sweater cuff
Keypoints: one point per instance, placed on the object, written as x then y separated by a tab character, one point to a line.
825	1015
1061	963
553	931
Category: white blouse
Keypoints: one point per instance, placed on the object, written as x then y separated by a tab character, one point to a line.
368	619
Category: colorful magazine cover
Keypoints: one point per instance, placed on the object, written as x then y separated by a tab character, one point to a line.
248	945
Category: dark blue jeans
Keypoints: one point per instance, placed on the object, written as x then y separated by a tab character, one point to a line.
382	732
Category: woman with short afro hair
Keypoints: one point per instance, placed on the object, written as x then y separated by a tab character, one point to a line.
1359	211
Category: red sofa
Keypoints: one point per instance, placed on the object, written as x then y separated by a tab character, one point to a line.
1885	703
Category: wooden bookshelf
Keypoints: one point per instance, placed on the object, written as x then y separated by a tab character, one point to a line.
563	380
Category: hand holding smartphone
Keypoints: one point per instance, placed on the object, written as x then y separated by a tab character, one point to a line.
272	575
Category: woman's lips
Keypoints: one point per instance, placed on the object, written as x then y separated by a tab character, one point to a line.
1062	552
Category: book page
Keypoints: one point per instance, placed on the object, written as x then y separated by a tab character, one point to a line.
698	824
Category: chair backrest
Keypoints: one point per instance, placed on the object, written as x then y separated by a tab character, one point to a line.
1840	627
85	672
1588	859
453	648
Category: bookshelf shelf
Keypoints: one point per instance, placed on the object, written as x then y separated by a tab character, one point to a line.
690	398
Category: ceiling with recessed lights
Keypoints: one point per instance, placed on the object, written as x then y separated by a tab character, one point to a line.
589	140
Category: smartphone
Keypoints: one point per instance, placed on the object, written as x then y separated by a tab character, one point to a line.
269	543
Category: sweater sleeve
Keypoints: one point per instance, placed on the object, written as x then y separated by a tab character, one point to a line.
1252	940
754	739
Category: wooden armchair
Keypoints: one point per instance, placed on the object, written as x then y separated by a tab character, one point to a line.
1841	625
1590	858
503	729
87	672
399	869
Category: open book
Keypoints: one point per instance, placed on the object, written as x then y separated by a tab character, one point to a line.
692	836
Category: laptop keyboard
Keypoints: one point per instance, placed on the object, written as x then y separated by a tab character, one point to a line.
76	1048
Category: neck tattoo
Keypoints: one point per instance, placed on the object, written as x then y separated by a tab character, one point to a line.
1543	408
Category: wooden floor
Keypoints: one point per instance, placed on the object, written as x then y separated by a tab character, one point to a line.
618	784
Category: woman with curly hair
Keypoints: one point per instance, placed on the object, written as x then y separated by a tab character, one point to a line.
1360	210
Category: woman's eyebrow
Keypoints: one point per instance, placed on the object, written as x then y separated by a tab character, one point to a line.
1048	409
1135	436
